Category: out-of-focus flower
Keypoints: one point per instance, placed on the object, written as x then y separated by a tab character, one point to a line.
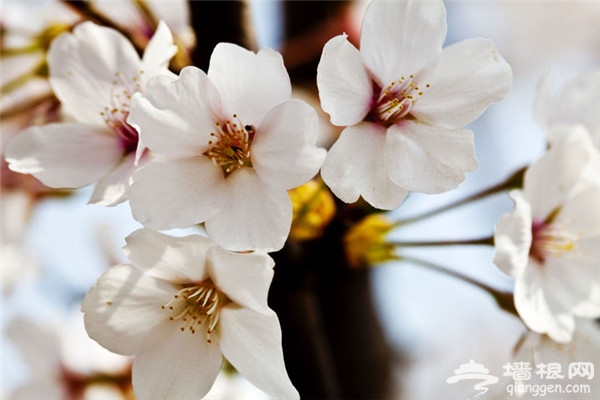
585	345
577	103
64	363
366	243
94	72
313	208
552	360
403	99
17	263
550	243
229	144
181	306
27	31
139	18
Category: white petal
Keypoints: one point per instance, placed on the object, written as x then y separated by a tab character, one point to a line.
176	193
175	115
468	77
344	86
512	238
399	38
574	285
355	167
250	84
83	67
577	101
64	155
283	150
538	309
251	342
244	278
175	259
123	307
429	159
159	51
113	188
175	365
252	215
549	181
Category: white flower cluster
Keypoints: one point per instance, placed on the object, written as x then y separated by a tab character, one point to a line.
550	243
223	147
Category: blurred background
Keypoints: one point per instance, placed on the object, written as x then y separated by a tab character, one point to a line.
54	246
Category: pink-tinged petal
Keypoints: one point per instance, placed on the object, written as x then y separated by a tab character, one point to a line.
124	306
283	150
469	76
244	278
175	115
175	259
252	215
345	88
176	193
355	167
159	51
549	181
512	238
399	38
538	310
175	365
251	342
64	155
428	159
250	83
113	188
84	66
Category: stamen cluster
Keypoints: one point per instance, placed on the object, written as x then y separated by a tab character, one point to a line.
115	115
193	305
231	148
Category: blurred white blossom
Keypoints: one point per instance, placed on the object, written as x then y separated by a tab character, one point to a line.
578	102
550	243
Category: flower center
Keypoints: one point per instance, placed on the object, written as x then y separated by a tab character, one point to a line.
115	115
196	305
552	240
394	102
230	146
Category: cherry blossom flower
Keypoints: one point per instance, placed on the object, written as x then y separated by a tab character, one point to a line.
402	98
550	242
94	72
181	306
64	363
229	143
576	103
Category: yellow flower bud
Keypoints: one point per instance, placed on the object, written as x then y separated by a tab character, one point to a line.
365	242
313	208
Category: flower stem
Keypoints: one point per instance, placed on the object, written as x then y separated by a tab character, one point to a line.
514	181
504	299
17	51
22	79
488	241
